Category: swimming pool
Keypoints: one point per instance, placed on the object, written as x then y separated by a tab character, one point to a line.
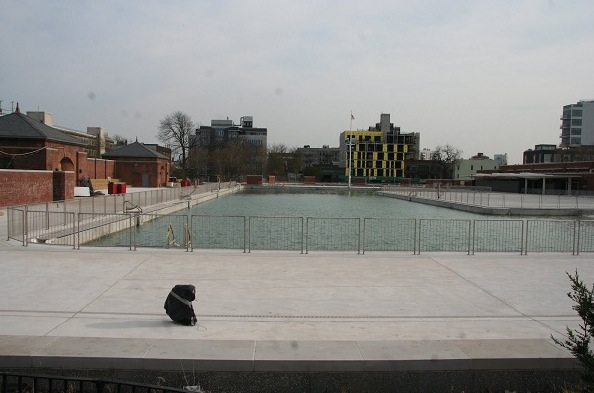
346	221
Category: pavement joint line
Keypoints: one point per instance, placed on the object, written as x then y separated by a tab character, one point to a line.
532	318
261	316
75	313
479	288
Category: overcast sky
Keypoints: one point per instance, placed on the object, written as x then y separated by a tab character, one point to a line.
483	76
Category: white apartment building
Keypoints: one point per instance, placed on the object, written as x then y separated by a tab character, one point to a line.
577	124
465	169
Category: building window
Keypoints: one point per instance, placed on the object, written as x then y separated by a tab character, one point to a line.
576	122
471	167
576	131
576	112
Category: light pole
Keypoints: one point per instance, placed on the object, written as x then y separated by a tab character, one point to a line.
350	169
350	144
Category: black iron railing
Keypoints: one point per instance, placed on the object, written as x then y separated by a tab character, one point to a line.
26	383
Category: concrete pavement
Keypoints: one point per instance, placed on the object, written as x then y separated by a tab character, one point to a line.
284	312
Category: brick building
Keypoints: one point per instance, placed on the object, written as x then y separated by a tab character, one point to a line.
40	163
141	165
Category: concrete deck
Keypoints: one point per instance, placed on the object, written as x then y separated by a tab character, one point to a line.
284	312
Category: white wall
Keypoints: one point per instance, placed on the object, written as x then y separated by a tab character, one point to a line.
465	169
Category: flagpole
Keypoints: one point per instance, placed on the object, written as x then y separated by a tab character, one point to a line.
350	144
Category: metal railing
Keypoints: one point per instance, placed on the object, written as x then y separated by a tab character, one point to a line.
219	232
47	220
389	234
306	234
21	383
55	224
333	234
480	196
445	235
498	236
275	233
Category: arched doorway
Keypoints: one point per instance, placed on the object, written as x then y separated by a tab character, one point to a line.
66	164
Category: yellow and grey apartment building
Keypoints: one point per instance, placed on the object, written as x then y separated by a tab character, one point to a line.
379	153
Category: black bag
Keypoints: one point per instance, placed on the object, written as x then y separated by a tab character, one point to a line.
178	304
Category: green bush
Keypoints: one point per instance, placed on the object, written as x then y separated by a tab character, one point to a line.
578	340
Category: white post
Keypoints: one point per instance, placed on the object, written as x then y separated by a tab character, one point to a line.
350	144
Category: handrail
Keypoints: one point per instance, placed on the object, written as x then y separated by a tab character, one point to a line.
136	208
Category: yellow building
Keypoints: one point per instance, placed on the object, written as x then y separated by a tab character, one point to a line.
378	154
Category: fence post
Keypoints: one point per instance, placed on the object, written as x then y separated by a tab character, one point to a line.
73	226
302	235
25	225
473	235
78	229
363	235
245	233
359	237
248	234
306	233
420	230
526	237
576	239
470	226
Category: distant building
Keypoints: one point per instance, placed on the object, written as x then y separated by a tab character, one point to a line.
424	169
543	154
319	156
227	150
426	154
465	169
500	159
96	140
321	162
380	153
577	124
225	132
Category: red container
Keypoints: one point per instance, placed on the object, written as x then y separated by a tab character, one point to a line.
121	188
111	188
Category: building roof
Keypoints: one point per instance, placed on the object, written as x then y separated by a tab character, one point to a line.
134	150
17	125
522	175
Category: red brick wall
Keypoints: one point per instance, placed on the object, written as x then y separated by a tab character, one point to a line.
253	179
131	170
94	168
19	187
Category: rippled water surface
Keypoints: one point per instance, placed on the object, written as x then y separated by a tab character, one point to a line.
355	204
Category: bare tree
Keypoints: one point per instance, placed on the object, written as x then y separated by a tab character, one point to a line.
175	130
119	140
447	156
277	160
